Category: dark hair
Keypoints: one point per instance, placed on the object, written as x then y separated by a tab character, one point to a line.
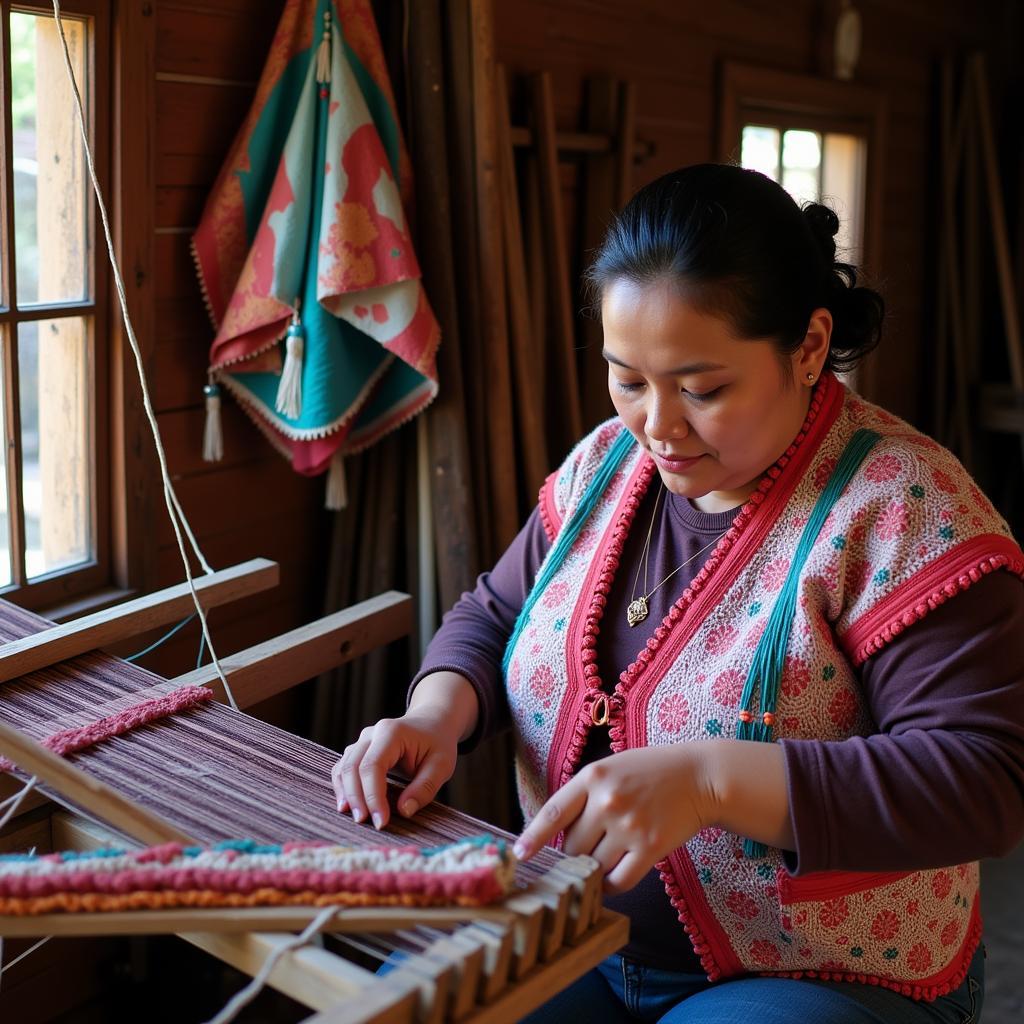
742	248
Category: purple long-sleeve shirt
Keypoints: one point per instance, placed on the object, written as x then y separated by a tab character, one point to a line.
941	781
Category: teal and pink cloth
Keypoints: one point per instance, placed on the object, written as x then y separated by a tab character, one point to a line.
323	330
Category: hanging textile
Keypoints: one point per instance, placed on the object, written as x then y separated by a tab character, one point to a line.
324	331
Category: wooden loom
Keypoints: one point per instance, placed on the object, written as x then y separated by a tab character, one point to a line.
182	778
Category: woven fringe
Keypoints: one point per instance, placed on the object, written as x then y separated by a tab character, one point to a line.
213	437
336	496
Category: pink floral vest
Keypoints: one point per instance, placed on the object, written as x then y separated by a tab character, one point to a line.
909	531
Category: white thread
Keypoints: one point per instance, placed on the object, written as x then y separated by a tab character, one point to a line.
170	498
21	956
15	801
253	989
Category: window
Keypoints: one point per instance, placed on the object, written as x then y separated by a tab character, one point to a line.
812	167
54	541
820	139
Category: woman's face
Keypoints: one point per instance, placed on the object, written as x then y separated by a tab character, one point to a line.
714	411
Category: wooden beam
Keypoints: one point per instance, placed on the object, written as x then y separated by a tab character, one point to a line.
285	661
84	791
354	921
18	657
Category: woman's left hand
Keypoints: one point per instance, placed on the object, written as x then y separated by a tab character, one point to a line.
628	810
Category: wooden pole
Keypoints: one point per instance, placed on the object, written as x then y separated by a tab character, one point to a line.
997	211
952	148
452	491
504	513
564	338
526	351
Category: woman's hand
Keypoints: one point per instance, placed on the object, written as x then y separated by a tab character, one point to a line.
423	744
630	810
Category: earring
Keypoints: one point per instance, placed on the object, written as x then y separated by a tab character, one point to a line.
810	378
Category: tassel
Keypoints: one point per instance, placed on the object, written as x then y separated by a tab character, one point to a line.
213	438
289	391
337	492
323	52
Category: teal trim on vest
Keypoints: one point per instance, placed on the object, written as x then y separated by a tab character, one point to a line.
770	655
616	454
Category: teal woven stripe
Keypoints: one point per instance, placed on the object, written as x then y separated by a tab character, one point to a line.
770	655
620	448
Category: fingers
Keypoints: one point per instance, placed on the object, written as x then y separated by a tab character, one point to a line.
557	814
626	873
435	771
345	775
383	753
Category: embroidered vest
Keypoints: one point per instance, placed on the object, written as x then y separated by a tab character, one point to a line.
908	532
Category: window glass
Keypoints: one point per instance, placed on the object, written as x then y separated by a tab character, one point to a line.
801	165
760	150
50	177
54	389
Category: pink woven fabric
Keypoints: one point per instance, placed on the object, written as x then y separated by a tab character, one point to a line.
70	741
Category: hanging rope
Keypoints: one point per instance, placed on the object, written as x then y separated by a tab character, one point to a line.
178	519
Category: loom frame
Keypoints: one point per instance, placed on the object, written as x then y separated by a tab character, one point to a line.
495	965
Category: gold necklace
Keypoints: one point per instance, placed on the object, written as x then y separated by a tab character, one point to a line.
639	607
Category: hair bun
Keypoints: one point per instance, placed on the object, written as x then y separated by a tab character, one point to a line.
824	224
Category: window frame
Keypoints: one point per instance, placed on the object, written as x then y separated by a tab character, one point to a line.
71	582
782	99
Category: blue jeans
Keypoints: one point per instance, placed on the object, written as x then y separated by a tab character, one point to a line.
621	991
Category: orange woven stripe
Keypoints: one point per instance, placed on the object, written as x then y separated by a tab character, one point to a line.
90	903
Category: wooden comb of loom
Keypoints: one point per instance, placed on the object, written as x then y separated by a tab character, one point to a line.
212	773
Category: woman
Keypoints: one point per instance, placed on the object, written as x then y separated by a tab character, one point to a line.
764	645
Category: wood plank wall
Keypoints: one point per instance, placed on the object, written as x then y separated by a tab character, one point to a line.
209	55
672	50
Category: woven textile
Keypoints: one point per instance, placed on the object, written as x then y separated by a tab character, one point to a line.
307	218
243	873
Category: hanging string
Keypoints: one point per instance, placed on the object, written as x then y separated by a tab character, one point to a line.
16	800
253	989
4	968
178	519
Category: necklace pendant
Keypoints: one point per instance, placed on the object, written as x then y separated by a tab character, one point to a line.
637	611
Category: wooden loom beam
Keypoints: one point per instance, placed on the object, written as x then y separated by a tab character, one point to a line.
59	643
83	790
278	664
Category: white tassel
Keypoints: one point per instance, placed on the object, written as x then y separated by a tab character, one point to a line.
337	491
289	391
213	438
323	52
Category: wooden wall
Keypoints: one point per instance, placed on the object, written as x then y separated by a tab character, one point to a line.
208	57
672	50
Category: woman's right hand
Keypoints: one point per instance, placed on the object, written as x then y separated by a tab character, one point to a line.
423	744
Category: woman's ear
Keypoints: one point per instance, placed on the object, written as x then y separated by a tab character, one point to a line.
809	358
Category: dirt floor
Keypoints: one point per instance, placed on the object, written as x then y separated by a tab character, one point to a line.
1002	900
